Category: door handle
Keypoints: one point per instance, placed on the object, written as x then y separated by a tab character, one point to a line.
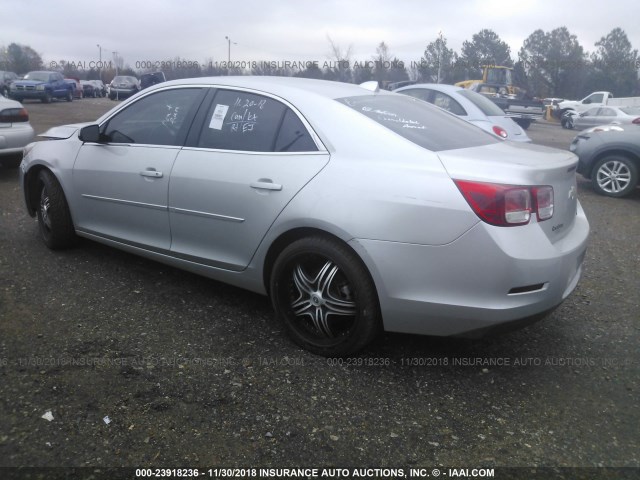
151	173
265	184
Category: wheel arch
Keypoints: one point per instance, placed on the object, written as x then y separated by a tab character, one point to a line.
287	238
31	187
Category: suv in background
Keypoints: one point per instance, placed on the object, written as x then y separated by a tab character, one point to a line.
5	82
150	79
43	86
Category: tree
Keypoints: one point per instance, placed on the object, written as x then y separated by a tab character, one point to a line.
554	63
387	69
271	68
339	66
22	59
362	71
485	48
438	62
615	65
311	71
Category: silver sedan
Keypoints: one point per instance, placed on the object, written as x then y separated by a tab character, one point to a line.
355	210
15	131
598	116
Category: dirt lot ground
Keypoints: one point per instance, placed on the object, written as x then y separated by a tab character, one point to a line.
143	365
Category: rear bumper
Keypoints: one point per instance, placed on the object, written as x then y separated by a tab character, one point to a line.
487	278
14	139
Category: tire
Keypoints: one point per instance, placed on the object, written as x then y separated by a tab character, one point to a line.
566	120
54	218
69	96
325	298
47	97
524	123
615	176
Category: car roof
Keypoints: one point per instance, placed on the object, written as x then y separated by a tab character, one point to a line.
433	86
287	87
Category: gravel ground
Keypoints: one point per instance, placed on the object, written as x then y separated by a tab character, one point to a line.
140	364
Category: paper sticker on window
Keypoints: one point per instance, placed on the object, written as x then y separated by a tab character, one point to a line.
218	116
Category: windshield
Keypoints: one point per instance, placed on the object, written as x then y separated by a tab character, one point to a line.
419	122
501	76
487	107
37	76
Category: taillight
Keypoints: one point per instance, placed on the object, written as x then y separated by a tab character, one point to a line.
544	202
507	205
501	132
636	121
14	115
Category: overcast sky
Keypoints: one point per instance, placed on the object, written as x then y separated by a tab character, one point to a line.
292	30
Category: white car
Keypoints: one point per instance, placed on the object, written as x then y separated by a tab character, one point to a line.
15	131
472	106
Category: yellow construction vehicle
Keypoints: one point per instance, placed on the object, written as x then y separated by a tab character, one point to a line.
494	75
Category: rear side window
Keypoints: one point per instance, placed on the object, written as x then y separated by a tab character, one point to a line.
439	99
293	136
419	122
607	112
445	101
249	122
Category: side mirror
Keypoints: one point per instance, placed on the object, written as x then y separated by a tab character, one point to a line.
90	133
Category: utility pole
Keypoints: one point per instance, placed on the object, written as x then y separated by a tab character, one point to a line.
100	63
229	51
115	58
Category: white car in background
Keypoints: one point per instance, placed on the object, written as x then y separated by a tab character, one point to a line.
472	106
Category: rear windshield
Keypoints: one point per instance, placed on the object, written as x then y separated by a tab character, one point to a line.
419	122
489	108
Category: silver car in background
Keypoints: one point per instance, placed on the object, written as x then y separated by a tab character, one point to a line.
597	116
472	106
15	131
355	210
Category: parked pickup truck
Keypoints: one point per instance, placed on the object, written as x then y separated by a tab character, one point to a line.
43	86
594	100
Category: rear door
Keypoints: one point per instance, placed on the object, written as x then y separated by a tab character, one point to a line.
249	157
